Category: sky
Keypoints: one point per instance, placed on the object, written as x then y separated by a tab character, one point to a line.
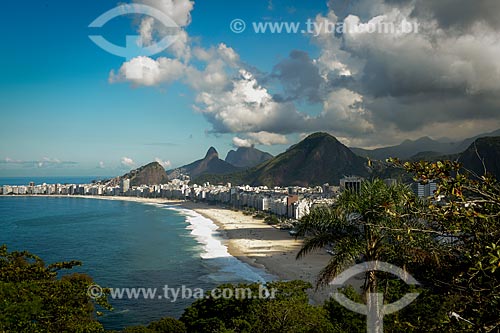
69	107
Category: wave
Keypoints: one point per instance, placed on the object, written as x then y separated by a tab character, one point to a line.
215	252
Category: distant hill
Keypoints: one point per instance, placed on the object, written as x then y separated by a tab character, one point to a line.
246	157
210	164
149	174
409	148
483	150
406	149
320	158
460	147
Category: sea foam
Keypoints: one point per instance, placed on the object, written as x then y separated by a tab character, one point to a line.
216	253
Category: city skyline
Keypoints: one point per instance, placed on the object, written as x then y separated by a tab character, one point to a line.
70	108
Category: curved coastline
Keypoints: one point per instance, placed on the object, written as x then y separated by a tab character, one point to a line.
249	240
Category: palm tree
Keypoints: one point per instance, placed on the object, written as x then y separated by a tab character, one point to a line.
358	227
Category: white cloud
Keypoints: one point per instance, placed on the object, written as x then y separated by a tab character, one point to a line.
239	142
164	164
268	139
260	138
177	10
127	162
246	107
146	30
180	12
148	72
371	88
101	165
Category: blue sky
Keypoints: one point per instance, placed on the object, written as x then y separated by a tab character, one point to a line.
64	113
56	102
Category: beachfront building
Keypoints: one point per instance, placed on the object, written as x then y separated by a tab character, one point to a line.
425	190
352	183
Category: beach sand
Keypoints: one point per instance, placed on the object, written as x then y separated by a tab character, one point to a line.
261	245
254	242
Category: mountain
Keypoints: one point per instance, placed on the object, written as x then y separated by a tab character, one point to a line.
320	158
483	150
210	164
409	148
149	174
460	147
246	157
406	149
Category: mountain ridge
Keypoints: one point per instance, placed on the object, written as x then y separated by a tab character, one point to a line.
409	148
319	158
247	157
210	164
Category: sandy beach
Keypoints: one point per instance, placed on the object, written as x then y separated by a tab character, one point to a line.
261	245
253	242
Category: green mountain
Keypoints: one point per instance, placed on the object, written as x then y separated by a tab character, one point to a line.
320	158
247	157
406	149
149	174
210	164
483	154
425	146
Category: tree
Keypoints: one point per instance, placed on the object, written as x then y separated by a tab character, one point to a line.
168	325
368	225
288	311
34	299
466	210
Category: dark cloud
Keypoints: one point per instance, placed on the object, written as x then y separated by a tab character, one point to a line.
417	112
299	77
461	14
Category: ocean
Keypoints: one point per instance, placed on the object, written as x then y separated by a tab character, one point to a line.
125	244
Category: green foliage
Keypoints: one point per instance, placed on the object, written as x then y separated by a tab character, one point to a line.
137	329
33	299
272	220
370	225
466	213
168	325
287	311
345	319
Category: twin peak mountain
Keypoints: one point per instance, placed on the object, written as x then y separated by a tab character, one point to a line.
319	158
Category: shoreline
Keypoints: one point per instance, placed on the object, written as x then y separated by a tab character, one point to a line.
250	240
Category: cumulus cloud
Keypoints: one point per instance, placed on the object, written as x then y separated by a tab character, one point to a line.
415	82
180	12
268	139
300	78
260	138
149	72
247	107
366	88
146	30
177	10
239	142
127	162
164	164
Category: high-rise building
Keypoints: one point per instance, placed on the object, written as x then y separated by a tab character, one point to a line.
426	190
352	183
124	185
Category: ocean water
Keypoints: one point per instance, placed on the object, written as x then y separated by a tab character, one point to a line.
125	245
